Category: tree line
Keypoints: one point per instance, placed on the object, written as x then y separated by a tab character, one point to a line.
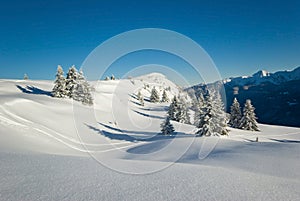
209	116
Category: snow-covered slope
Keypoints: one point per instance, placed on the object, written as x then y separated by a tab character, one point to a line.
48	147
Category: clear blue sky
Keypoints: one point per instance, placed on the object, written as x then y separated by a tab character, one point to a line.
240	36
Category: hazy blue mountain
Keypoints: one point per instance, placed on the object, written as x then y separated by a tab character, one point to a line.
276	96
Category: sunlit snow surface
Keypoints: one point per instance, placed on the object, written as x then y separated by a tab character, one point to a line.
44	158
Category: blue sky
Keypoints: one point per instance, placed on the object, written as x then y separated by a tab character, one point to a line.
240	36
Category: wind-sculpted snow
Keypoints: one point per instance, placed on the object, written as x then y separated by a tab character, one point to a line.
46	155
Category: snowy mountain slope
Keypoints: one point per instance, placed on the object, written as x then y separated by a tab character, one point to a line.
46	151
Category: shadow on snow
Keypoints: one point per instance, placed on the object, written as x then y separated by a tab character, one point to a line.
139	136
33	90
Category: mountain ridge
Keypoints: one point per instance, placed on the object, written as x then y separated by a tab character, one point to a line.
276	96
262	76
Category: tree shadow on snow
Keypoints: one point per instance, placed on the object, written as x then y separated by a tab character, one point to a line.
133	96
112	136
162	108
33	90
285	140
128	131
148	115
134	102
125	134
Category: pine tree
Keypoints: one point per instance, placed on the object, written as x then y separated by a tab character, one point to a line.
182	114
166	127
140	97
71	81
197	105
220	118
165	97
25	77
112	77
142	103
235	114
154	97
173	108
82	90
59	84
212	120
205	118
248	121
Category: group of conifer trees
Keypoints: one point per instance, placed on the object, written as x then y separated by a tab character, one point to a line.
245	120
209	115
74	86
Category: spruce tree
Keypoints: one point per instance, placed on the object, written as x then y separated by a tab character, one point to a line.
59	84
140	97
173	108
82	90
165	97
154	97
197	105
182	114
235	114
248	121
166	127
142	103
71	81
212	119
205	123
220	117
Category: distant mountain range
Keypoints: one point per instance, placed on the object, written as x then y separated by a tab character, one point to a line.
276	96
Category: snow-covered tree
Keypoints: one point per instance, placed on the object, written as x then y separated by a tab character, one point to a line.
71	81
166	127
82	90
248	121
25	77
182	114
235	114
112	77
212	120
106	78
140	97
154	97
142	103
165	97
59	84
173	108
197	103
220	118
205	123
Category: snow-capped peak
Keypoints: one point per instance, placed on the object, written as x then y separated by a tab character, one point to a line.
261	73
265	76
152	76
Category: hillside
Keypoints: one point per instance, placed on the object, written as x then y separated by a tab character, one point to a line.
276	96
56	149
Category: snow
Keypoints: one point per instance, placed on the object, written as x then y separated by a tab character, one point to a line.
43	157
264	76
